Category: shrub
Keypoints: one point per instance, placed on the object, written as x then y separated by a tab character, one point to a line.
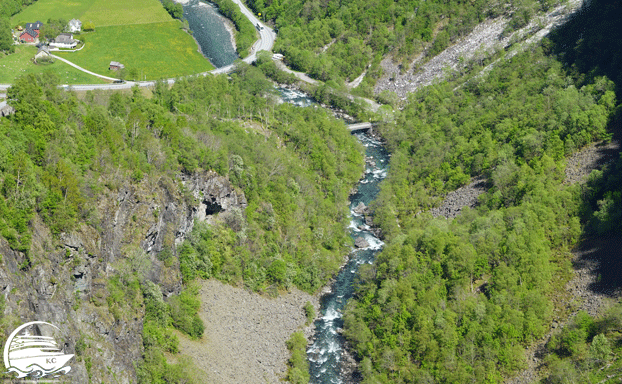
298	372
88	26
309	312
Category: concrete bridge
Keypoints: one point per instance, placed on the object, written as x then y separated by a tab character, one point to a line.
360	127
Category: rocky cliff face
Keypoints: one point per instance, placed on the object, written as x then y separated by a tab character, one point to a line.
68	281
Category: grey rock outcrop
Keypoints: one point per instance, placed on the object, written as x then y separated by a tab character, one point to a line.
65	279
361	209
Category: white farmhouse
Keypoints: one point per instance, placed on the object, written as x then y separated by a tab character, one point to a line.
64	40
74	25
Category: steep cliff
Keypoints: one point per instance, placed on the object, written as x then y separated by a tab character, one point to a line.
73	282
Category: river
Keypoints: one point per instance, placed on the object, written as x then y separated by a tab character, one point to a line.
326	352
208	28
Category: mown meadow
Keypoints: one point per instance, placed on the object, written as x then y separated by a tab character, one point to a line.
20	63
155	50
140	34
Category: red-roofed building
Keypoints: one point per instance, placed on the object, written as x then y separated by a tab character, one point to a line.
29	36
31	32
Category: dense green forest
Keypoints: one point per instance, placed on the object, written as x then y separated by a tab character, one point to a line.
458	301
54	173
58	155
338	40
447	301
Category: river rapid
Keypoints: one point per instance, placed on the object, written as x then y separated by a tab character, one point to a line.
326	354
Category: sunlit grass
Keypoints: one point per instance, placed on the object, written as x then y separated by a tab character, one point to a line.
154	51
123	12
20	63
138	33
100	12
43	10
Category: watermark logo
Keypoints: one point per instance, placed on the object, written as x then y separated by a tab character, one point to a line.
32	351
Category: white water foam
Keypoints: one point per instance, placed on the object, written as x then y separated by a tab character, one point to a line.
331	314
354	226
334	347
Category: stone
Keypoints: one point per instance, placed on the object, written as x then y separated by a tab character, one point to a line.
360	209
360	242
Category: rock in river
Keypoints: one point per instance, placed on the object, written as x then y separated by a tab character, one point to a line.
360	242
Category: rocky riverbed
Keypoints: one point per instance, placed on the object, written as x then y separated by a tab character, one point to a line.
245	334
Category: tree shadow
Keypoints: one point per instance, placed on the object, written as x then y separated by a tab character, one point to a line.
590	45
605	252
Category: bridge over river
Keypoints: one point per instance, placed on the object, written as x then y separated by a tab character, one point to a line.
367	126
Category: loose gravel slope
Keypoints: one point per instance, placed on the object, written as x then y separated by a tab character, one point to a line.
245	334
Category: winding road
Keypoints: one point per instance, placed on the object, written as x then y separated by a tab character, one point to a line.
265	43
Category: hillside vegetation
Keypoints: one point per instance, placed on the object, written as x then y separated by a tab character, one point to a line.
58	156
459	301
339	40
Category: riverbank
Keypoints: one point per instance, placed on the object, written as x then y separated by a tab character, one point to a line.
230	27
211	31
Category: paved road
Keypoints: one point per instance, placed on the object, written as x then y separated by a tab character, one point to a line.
265	43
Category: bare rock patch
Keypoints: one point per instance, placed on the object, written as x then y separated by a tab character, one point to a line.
245	334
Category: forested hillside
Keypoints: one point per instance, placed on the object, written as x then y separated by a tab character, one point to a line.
459	301
338	40
60	157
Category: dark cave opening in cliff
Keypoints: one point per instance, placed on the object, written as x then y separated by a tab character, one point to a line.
212	206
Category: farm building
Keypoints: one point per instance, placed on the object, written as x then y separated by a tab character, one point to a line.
35	26
64	40
42	53
115	66
29	36
74	25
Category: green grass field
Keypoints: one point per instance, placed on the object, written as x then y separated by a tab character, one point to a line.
43	10
20	63
157	50
138	33
124	12
101	12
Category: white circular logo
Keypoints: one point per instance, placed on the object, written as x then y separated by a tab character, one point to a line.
31	350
